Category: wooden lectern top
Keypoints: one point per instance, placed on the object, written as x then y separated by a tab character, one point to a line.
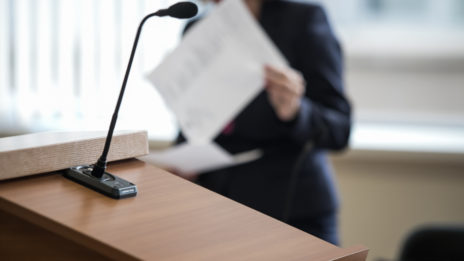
170	219
44	152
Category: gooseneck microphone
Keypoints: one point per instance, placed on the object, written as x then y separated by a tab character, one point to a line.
179	10
95	176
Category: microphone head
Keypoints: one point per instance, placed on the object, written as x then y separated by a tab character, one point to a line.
182	10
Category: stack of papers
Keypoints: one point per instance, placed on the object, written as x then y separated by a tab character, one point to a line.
208	79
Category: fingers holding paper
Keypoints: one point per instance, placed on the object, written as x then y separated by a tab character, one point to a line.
285	88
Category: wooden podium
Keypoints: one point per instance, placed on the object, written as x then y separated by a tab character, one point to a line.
48	217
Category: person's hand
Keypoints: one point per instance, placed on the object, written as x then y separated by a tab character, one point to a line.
285	87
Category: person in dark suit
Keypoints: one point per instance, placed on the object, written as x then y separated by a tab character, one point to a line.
301	113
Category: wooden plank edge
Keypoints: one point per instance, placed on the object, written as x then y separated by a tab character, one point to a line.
354	253
61	156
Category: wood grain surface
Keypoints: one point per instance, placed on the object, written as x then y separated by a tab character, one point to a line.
170	219
50	151
21	240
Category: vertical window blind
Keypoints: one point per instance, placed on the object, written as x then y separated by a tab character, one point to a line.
62	64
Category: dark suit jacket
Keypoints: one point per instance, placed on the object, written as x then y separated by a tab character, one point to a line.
303	35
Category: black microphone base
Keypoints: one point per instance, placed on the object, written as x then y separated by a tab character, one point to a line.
109	184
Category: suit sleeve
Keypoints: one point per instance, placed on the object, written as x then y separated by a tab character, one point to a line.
325	114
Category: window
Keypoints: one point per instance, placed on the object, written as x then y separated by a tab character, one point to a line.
404	71
62	65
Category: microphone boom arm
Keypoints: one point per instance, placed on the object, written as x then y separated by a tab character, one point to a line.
100	167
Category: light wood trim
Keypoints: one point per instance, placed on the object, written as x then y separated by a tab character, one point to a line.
35	153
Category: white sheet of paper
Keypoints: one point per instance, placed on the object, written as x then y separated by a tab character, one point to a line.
215	71
192	159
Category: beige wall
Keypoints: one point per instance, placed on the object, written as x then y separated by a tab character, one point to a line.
386	195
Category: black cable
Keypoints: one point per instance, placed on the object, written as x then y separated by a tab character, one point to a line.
294	175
